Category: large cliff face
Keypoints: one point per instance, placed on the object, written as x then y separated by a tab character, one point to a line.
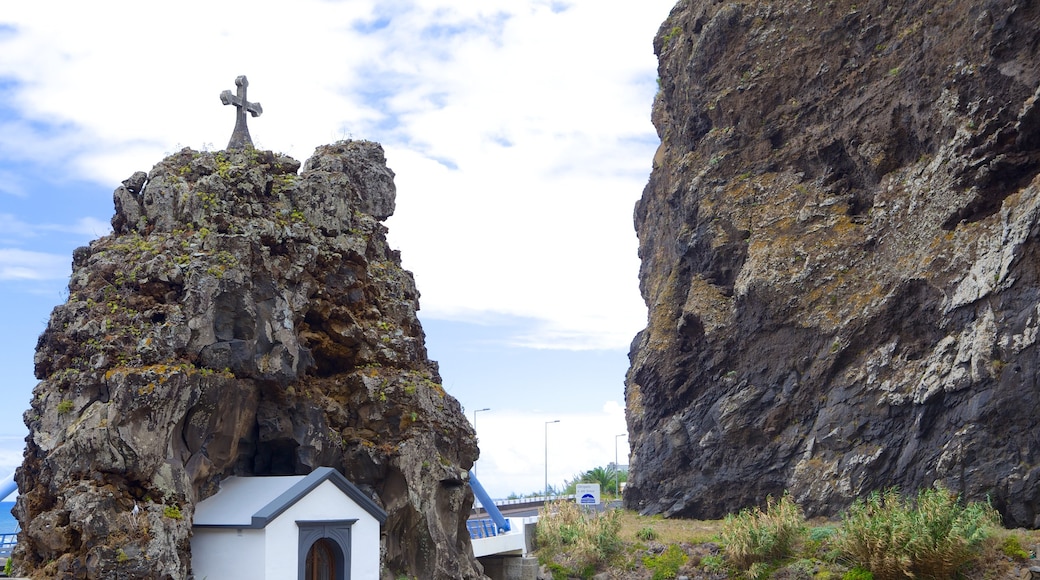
243	319
839	246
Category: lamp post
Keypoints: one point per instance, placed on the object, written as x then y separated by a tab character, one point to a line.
547	423
617	466
475	430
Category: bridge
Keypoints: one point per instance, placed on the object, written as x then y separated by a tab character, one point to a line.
521	504
503	545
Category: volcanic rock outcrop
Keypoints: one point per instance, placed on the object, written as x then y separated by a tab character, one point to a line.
242	319
840	245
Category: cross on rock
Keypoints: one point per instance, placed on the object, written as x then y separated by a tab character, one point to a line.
240	136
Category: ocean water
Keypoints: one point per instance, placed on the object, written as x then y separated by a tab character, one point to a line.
8	525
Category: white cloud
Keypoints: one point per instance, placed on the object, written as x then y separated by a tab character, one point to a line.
513	446
16	264
11	184
519	130
87	227
10	458
11	448
14	228
16	232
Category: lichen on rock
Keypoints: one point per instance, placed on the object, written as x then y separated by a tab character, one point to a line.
244	318
838	245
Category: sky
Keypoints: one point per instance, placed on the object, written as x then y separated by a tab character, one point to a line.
519	132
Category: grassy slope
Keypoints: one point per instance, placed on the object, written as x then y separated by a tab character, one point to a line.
699	539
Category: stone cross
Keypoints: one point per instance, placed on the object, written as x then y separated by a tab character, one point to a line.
240	137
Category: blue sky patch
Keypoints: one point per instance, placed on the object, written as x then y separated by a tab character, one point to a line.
501	140
446	163
558	7
371	26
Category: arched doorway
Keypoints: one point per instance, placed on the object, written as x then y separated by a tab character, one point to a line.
322	561
324	550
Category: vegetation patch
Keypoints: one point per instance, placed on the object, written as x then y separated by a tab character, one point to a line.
756	537
932	537
667	564
577	542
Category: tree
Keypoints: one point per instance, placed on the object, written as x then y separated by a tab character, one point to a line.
604	476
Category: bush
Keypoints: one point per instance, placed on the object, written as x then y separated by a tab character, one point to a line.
858	574
818	538
756	537
713	563
646	534
930	538
1011	547
667	563
581	540
173	512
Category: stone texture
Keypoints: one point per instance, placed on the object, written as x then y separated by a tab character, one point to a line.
243	319
839	245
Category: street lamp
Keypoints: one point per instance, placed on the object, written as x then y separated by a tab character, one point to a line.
617	466
547	423
475	430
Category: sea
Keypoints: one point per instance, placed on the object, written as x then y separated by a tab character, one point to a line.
8	525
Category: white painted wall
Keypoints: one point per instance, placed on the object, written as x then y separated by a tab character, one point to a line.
219	554
513	542
272	553
325	502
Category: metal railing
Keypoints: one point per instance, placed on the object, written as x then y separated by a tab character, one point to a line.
481	528
529	500
7	544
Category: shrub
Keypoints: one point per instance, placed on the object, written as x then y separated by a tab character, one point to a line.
930	538
818	538
666	564
646	534
754	536
1011	547
713	563
581	540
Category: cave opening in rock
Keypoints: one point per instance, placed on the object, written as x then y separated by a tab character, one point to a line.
275	457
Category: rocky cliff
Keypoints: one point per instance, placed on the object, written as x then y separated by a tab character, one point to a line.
243	319
839	245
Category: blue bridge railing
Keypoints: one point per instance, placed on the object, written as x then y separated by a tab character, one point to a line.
7	543
481	528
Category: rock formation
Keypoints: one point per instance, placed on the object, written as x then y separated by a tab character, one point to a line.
242	319
840	246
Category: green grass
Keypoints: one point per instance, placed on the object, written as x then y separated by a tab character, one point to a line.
667	564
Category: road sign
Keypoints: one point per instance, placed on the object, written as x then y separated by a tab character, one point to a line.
587	493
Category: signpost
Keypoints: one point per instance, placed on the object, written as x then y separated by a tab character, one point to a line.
587	494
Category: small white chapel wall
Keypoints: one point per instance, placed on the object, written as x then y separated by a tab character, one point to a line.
228	554
326	502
